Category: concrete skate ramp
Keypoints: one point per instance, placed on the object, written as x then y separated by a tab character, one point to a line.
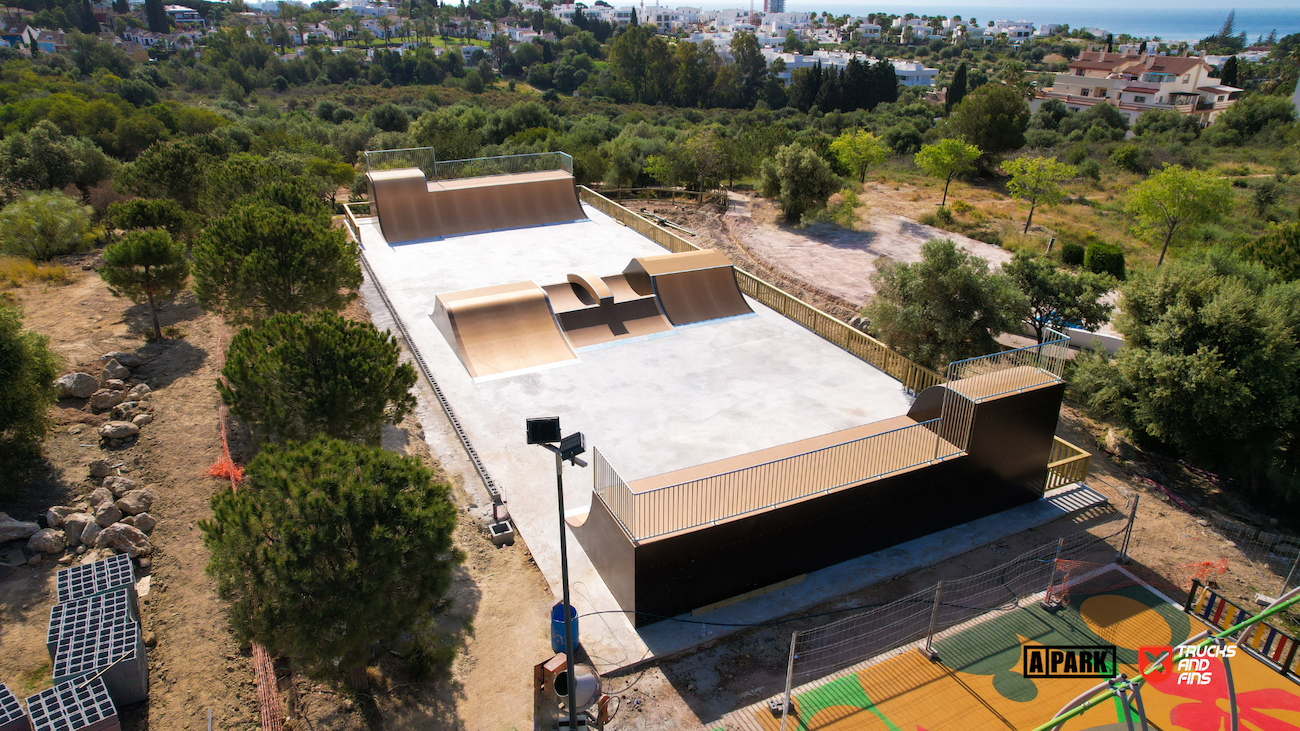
501	329
692	286
410	208
595	310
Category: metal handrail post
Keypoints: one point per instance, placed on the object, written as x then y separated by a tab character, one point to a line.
789	680
1051	579
929	651
1122	558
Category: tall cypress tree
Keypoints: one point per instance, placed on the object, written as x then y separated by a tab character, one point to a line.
957	89
1228	75
155	15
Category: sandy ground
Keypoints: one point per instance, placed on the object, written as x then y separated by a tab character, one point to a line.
839	260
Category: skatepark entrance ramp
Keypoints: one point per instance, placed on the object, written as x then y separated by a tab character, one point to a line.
419	197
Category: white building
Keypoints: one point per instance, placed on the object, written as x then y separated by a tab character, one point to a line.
1047	29
909	73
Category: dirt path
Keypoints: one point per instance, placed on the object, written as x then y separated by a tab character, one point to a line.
822	259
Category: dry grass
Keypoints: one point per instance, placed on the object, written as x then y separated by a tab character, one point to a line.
16	271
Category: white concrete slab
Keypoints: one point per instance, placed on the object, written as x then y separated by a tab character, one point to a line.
703	393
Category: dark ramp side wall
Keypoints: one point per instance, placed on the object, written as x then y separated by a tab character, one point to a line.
1005	466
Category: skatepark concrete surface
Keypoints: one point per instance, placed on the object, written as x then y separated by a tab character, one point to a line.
699	393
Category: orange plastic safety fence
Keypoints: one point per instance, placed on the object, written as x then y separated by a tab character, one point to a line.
268	700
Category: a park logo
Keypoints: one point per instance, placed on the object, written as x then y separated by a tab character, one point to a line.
1095	661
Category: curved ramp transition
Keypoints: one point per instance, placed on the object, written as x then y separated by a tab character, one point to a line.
693	286
499	329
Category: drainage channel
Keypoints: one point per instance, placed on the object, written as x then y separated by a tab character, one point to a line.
437	391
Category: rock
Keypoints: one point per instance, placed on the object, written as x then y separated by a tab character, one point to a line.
55	515
125	538
138	392
93	555
105	399
74	525
142	419
101	495
129	360
101	468
125	410
91	533
106	515
136	502
118	430
150	639
35	559
76	385
47	540
144	563
16	530
115	384
65	560
1117	445
145	522
81	550
119	485
113	369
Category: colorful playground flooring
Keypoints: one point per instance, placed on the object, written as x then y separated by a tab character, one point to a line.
978	685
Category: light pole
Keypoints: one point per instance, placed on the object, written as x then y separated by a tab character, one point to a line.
546	432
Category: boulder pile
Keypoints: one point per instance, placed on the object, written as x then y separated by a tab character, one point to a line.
114	391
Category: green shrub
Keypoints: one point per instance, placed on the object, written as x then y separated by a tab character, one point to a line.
1072	254
26	391
1076	155
1104	258
41	226
1090	169
1127	157
940	218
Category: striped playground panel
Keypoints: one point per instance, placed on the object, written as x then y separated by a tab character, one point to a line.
977	683
1264	639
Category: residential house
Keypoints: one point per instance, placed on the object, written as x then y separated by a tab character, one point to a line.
1136	84
19	35
134	50
909	73
51	41
1046	30
185	17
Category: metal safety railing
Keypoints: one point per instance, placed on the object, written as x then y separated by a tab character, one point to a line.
709	500
1066	464
426	159
998	374
913	376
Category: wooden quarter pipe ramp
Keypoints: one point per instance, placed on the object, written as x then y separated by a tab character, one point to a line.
691	287
503	328
410	208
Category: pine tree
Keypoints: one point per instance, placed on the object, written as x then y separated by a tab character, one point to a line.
633	21
1229	28
146	265
295	377
957	90
332	549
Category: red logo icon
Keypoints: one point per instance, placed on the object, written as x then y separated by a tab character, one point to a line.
1148	655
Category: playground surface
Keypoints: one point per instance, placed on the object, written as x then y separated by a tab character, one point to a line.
977	683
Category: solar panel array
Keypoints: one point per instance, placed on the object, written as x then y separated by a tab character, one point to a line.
76	705
12	717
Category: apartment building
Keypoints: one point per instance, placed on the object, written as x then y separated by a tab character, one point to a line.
909	73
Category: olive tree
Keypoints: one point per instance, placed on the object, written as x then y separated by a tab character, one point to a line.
1177	199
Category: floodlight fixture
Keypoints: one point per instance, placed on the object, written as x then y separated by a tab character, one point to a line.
572	446
545	430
